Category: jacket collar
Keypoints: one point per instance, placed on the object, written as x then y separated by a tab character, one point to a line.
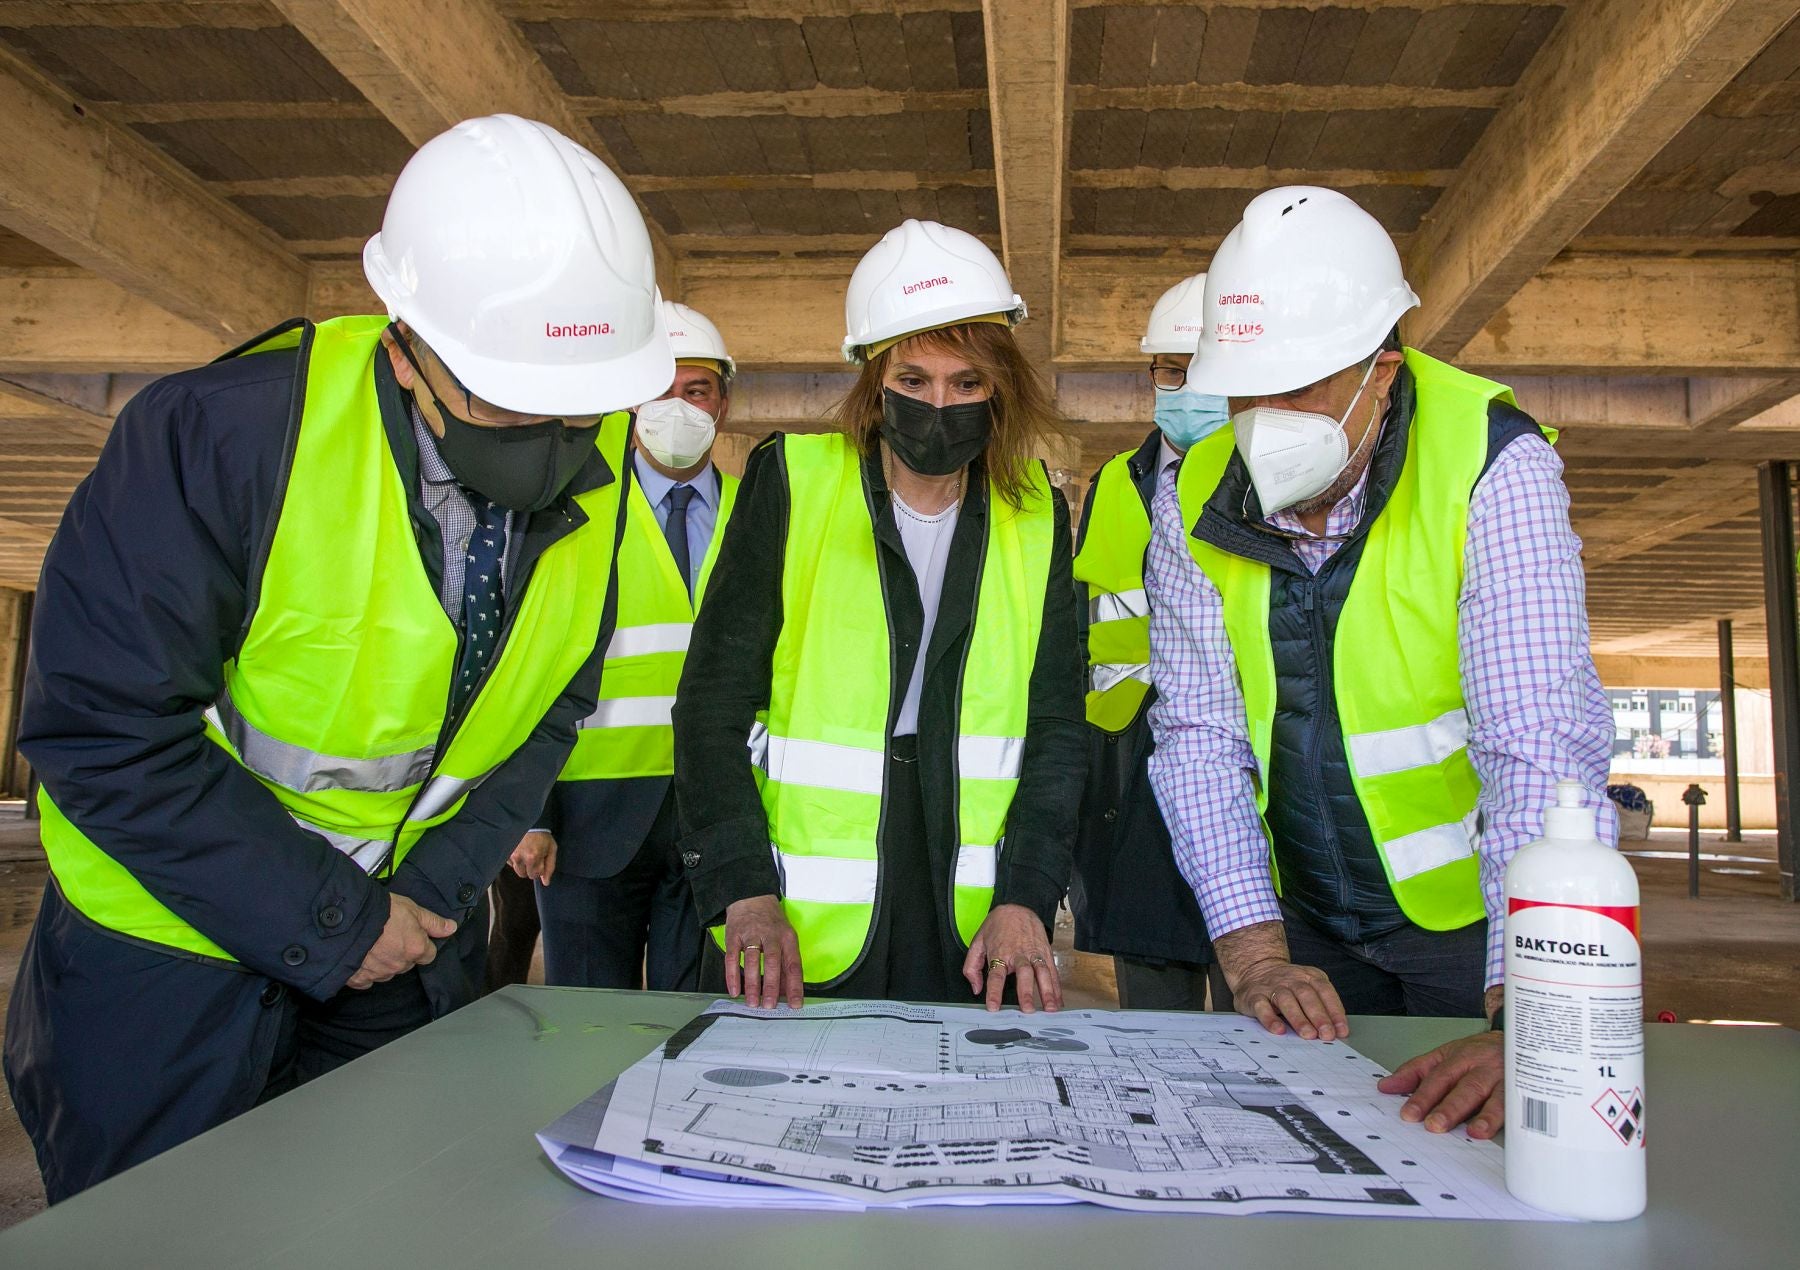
1229	518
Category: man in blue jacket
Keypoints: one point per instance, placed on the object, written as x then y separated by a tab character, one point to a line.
309	648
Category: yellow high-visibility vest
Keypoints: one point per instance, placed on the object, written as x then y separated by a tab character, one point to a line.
337	699
821	746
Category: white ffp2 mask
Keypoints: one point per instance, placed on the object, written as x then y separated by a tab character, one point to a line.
674	432
1294	455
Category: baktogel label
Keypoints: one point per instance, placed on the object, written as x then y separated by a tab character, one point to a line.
1574	1018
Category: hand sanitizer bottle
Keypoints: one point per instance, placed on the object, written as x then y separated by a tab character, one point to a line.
1574	1021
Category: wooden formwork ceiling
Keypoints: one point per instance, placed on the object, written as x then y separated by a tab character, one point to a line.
1598	202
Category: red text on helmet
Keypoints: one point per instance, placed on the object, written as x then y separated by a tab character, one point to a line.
922	284
577	331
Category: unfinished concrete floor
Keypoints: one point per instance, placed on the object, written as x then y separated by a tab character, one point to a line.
1730	957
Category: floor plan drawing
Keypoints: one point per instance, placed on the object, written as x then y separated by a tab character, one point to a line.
879	1103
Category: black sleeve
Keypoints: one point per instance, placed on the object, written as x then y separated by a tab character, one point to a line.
1040	828
725	681
140	606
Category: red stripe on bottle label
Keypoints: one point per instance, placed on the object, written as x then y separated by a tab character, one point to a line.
1624	916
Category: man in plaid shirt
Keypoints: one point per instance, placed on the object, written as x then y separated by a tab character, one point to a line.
1369	645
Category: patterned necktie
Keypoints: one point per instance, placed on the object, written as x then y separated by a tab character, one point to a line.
482	606
675	530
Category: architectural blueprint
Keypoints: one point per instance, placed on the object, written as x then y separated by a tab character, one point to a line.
859	1104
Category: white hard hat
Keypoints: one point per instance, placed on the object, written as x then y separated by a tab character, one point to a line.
525	265
1176	320
920	276
692	335
1306	284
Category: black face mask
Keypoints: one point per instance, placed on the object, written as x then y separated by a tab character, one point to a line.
523	468
934	440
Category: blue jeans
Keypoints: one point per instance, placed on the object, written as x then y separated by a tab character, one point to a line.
1409	971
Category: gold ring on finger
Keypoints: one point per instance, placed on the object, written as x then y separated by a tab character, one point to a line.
752	947
999	963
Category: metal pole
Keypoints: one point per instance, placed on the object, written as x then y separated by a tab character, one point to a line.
1776	495
1734	820
1693	798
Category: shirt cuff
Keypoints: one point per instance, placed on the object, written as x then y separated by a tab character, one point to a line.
1238	898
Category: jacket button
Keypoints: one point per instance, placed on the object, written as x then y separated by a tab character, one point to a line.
293	954
465	894
1111	739
691	859
1112	814
270	994
331	916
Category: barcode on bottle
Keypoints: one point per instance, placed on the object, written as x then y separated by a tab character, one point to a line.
1540	1117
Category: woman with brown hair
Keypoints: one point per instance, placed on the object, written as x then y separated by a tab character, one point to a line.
891	624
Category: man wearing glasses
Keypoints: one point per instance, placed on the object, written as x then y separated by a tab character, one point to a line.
1370	651
1128	897
309	648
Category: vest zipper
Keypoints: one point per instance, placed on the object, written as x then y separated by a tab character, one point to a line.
1316	742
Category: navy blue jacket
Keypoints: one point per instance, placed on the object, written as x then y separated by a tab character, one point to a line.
146	593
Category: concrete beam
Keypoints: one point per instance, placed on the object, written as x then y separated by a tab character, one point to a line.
1028	73
1614	84
429	64
105	199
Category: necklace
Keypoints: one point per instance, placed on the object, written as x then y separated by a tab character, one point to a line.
887	472
921	518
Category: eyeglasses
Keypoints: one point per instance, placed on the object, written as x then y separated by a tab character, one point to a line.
1168	378
474	409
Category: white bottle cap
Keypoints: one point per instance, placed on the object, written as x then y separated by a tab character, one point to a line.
1570	820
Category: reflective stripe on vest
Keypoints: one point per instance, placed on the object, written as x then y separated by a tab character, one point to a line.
1111	563
813	879
336	699
820	749
859	771
1397	647
629	734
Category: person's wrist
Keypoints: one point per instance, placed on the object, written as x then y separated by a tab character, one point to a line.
1498	1022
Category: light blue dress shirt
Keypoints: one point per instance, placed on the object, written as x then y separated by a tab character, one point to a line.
702	513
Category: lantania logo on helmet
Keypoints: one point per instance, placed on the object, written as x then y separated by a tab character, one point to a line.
922	284
1240	297
1189	326
577	331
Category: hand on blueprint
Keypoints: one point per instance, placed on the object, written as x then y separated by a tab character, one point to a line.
405	941
762	954
535	856
1273	990
1454	1082
1012	941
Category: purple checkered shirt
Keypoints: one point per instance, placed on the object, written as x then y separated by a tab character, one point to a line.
1536	710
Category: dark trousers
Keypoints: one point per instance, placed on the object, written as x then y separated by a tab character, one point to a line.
635	929
1409	971
116	1052
512	939
1146	984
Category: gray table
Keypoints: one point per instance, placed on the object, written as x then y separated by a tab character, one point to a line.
423	1155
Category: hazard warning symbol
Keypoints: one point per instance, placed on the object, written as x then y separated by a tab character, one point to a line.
1624	1114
